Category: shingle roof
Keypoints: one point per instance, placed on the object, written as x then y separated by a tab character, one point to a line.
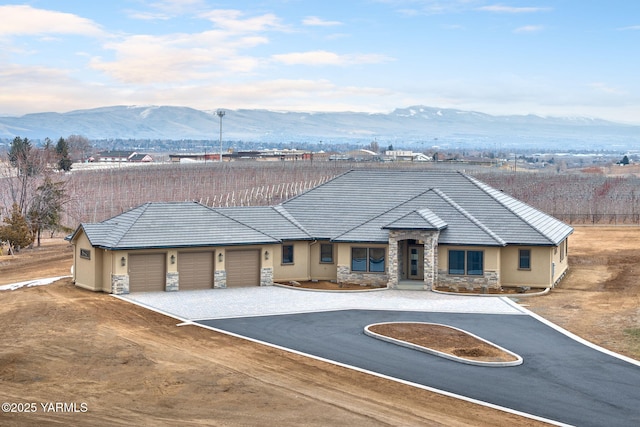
358	206
352	206
161	225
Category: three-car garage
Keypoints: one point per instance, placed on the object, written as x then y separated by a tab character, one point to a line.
148	271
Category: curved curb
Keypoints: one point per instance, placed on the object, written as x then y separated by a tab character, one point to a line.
402	343
336	291
536	294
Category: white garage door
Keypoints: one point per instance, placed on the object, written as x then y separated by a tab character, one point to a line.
195	270
147	272
243	268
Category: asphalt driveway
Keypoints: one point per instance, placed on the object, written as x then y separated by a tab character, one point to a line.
561	379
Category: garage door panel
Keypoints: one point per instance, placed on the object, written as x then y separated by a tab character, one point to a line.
147	272
243	268
195	270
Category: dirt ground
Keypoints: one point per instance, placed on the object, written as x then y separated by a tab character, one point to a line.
443	339
122	365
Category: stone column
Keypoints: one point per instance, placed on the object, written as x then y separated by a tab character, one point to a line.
266	276
430	259
173	281
119	284
393	261
220	279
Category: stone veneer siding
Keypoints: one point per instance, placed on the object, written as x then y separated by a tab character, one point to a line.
173	282
345	275
430	239
490	280
266	276
220	279
119	284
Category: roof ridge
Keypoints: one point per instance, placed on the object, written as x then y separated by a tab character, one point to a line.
317	186
481	185
470	217
281	210
144	206
242	223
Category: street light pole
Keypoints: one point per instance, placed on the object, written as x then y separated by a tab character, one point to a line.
220	114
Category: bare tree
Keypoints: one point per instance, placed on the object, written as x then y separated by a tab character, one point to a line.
79	147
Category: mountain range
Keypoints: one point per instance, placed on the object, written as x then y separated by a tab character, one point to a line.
416	127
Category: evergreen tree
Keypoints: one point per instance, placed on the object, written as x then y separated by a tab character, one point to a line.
20	156
62	150
16	231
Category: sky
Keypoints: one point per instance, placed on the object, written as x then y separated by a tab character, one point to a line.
550	58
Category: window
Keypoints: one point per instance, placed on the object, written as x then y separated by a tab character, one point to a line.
466	262
376	260
326	253
456	262
368	260
475	263
358	259
287	254
524	259
85	253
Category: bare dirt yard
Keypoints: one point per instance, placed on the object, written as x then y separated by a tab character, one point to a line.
113	363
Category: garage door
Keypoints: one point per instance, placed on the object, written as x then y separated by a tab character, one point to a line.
243	268
147	272
195	270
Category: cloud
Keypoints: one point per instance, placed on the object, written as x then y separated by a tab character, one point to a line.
50	89
179	57
323	57
498	8
605	88
630	28
314	21
529	29
232	21
26	20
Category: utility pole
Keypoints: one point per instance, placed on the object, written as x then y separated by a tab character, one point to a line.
220	114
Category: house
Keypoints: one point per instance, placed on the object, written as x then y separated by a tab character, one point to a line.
375	227
123	156
140	158
115	156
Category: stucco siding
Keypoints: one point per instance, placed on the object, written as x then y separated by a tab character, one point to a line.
298	270
86	272
322	270
538	276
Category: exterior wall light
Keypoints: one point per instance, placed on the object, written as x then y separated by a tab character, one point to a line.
123	261
173	259
220	257
266	254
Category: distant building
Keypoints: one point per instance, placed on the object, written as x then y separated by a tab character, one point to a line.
405	156
123	156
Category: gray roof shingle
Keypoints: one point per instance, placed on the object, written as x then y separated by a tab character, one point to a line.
358	206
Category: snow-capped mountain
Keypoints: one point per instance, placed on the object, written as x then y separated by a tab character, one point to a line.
413	126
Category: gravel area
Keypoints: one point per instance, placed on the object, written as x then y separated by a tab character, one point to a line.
274	300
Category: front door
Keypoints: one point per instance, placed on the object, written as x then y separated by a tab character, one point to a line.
416	263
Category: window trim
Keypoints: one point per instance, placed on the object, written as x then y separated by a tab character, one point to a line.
465	260
330	246
520	258
292	261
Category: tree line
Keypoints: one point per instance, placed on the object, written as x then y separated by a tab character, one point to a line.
36	193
